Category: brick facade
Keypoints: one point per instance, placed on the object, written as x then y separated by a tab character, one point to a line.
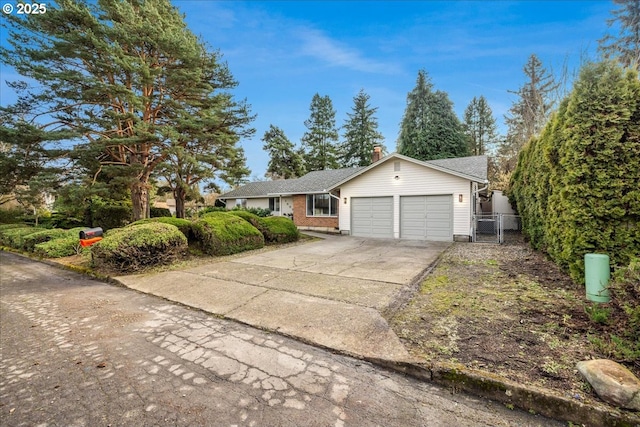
301	219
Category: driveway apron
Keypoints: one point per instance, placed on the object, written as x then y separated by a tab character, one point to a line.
328	292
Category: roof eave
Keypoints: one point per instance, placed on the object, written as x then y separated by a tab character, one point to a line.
412	160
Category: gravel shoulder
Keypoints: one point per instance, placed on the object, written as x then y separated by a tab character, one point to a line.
503	309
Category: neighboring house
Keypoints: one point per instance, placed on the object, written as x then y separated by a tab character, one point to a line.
394	197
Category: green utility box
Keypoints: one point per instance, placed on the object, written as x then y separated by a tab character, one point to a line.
597	275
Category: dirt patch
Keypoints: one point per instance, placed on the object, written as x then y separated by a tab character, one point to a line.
504	309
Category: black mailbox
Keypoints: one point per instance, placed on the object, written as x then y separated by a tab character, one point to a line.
90	233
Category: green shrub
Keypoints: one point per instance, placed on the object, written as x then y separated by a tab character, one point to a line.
29	242
261	212
10	226
13	237
280	230
159	212
275	229
61	220
221	233
143	245
111	216
184	225
57	248
8	216
573	184
210	209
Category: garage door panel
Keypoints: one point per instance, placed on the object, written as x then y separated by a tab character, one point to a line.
426	217
372	216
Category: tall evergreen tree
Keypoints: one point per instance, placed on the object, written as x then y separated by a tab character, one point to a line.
529	113
430	128
480	126
320	141
626	45
285	161
360	133
576	186
127	77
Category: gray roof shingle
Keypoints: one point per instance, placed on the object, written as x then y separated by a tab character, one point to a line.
313	182
475	166
320	181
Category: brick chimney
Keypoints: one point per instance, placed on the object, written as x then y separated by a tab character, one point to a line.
377	154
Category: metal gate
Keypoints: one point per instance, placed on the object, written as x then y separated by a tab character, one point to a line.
495	228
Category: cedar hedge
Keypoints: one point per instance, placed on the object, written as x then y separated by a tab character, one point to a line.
576	186
221	233
134	248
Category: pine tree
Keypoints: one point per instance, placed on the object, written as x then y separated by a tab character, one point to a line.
480	126
319	142
128	78
360	133
529	113
626	45
285	161
430	129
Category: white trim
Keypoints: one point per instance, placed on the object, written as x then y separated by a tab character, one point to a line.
412	160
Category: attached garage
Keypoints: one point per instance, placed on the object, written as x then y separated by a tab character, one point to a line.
372	217
426	217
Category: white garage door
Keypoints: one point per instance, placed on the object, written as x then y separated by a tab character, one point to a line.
372	216
426	217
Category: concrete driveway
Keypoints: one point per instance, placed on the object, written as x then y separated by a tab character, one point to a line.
328	292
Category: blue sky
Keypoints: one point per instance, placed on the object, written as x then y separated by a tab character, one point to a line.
283	52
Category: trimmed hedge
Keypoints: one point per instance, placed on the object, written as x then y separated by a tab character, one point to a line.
221	233
13	237
576	185
143	245
66	244
111	216
275	229
29	242
184	225
10	226
58	248
280	230
159	212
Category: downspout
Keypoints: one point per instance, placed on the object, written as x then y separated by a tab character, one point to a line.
475	195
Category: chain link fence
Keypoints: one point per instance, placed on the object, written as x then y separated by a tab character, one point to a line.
497	228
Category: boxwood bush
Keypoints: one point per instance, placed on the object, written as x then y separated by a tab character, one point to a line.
275	229
143	245
221	233
30	241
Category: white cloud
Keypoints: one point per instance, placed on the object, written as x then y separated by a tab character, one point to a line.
318	45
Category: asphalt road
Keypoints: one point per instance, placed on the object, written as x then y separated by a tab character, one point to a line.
78	352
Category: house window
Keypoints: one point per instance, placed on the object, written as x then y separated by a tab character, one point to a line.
241	203
321	205
274	204
396	166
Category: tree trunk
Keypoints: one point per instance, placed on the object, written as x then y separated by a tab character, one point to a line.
180	196
140	198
